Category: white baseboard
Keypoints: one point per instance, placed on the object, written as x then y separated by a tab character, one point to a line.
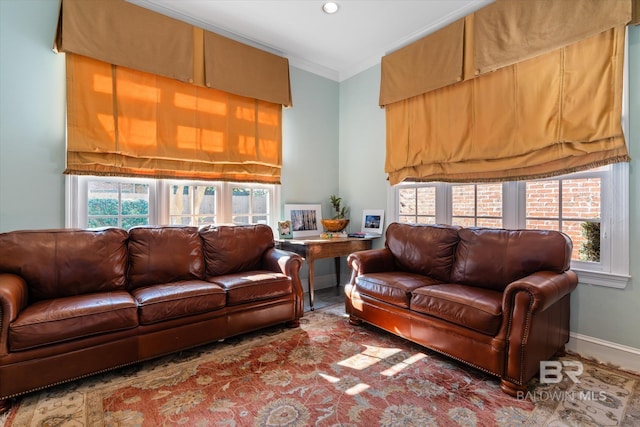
621	356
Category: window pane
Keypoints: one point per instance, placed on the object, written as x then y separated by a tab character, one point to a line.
192	204
427	201
251	205
587	247
102	222
241	200
543	198
426	220
463	222
240	219
417	205
541	224
117	204
260	202
180	200
408	201
581	198
463	200
490	202
490	222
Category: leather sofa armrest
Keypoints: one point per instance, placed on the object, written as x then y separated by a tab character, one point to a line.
545	288
281	261
535	324
289	264
371	261
13	299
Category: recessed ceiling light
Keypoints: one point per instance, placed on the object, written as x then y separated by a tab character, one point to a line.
330	7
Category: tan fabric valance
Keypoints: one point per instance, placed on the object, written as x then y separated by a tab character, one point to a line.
244	70
510	31
126	122
121	33
635	20
429	63
500	34
552	114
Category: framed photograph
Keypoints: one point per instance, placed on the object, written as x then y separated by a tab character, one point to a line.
372	221
284	229
305	219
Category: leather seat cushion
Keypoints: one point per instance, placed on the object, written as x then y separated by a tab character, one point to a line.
475	308
178	299
63	319
254	285
392	287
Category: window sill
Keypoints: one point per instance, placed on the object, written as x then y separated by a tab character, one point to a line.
599	278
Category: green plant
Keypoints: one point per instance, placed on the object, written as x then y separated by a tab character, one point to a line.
341	212
590	247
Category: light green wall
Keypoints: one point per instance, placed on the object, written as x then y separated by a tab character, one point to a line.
310	141
32	93
363	182
333	143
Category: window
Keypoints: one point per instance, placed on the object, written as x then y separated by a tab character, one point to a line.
476	205
117	204
94	201
589	206
192	204
250	205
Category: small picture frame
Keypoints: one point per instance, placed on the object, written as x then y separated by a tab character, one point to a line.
372	222
284	229
305	219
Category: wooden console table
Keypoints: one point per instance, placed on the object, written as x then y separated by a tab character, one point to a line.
316	247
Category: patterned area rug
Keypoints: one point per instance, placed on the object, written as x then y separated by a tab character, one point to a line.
326	373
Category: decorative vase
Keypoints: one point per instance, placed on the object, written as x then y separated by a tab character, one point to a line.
334	225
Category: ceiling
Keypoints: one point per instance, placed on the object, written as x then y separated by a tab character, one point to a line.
334	46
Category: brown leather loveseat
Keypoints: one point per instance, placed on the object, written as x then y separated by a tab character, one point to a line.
78	302
495	299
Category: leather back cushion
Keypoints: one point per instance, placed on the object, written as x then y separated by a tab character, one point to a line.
493	258
423	249
166	254
232	249
65	262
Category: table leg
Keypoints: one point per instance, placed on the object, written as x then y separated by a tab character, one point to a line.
311	288
336	260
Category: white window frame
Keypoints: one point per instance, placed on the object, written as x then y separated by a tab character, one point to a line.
77	191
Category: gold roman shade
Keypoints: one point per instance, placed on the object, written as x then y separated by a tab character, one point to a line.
125	122
555	113
121	33
537	92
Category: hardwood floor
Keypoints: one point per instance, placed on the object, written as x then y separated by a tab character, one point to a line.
324	297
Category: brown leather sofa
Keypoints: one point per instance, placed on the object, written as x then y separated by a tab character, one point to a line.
495	299
78	302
